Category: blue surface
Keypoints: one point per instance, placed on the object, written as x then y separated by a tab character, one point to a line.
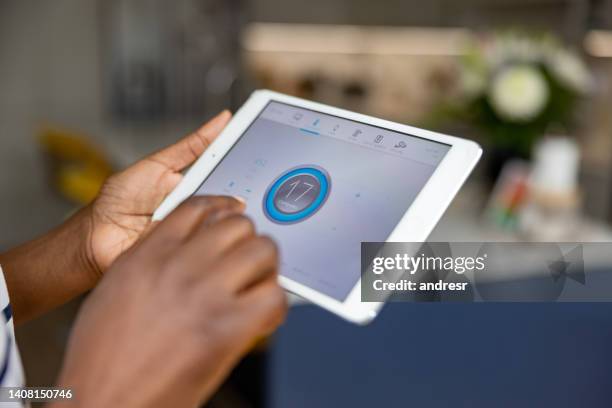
446	355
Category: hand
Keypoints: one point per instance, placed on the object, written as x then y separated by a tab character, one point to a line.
69	260
175	312
122	212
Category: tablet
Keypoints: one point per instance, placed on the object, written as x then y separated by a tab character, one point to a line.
320	180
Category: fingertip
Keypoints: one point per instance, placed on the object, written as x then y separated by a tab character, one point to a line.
222	117
241	201
211	129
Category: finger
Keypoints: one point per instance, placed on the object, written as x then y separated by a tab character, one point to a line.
261	309
212	239
224	213
150	228
250	262
186	151
186	217
218	217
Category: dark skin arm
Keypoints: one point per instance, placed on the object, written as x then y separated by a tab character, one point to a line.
70	259
50	270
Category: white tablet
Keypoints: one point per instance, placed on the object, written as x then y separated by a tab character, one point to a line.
320	180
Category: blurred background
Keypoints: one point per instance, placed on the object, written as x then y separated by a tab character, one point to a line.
89	86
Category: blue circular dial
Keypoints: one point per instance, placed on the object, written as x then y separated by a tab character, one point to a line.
296	194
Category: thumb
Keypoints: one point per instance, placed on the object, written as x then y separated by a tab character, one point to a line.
187	150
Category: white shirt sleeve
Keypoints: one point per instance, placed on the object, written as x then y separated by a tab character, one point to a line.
11	370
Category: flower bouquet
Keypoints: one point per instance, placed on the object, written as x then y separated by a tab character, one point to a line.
516	87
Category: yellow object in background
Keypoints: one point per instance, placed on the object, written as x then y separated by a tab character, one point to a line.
77	168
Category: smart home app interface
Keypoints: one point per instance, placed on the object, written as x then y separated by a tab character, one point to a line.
320	185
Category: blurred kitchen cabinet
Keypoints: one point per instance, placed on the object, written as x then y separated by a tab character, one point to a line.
168	59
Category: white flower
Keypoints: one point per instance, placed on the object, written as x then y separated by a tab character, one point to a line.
519	93
570	70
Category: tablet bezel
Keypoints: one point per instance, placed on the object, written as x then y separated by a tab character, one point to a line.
415	225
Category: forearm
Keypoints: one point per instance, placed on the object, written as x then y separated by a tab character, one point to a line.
50	270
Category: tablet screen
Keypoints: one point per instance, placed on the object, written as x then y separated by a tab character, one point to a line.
320	185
